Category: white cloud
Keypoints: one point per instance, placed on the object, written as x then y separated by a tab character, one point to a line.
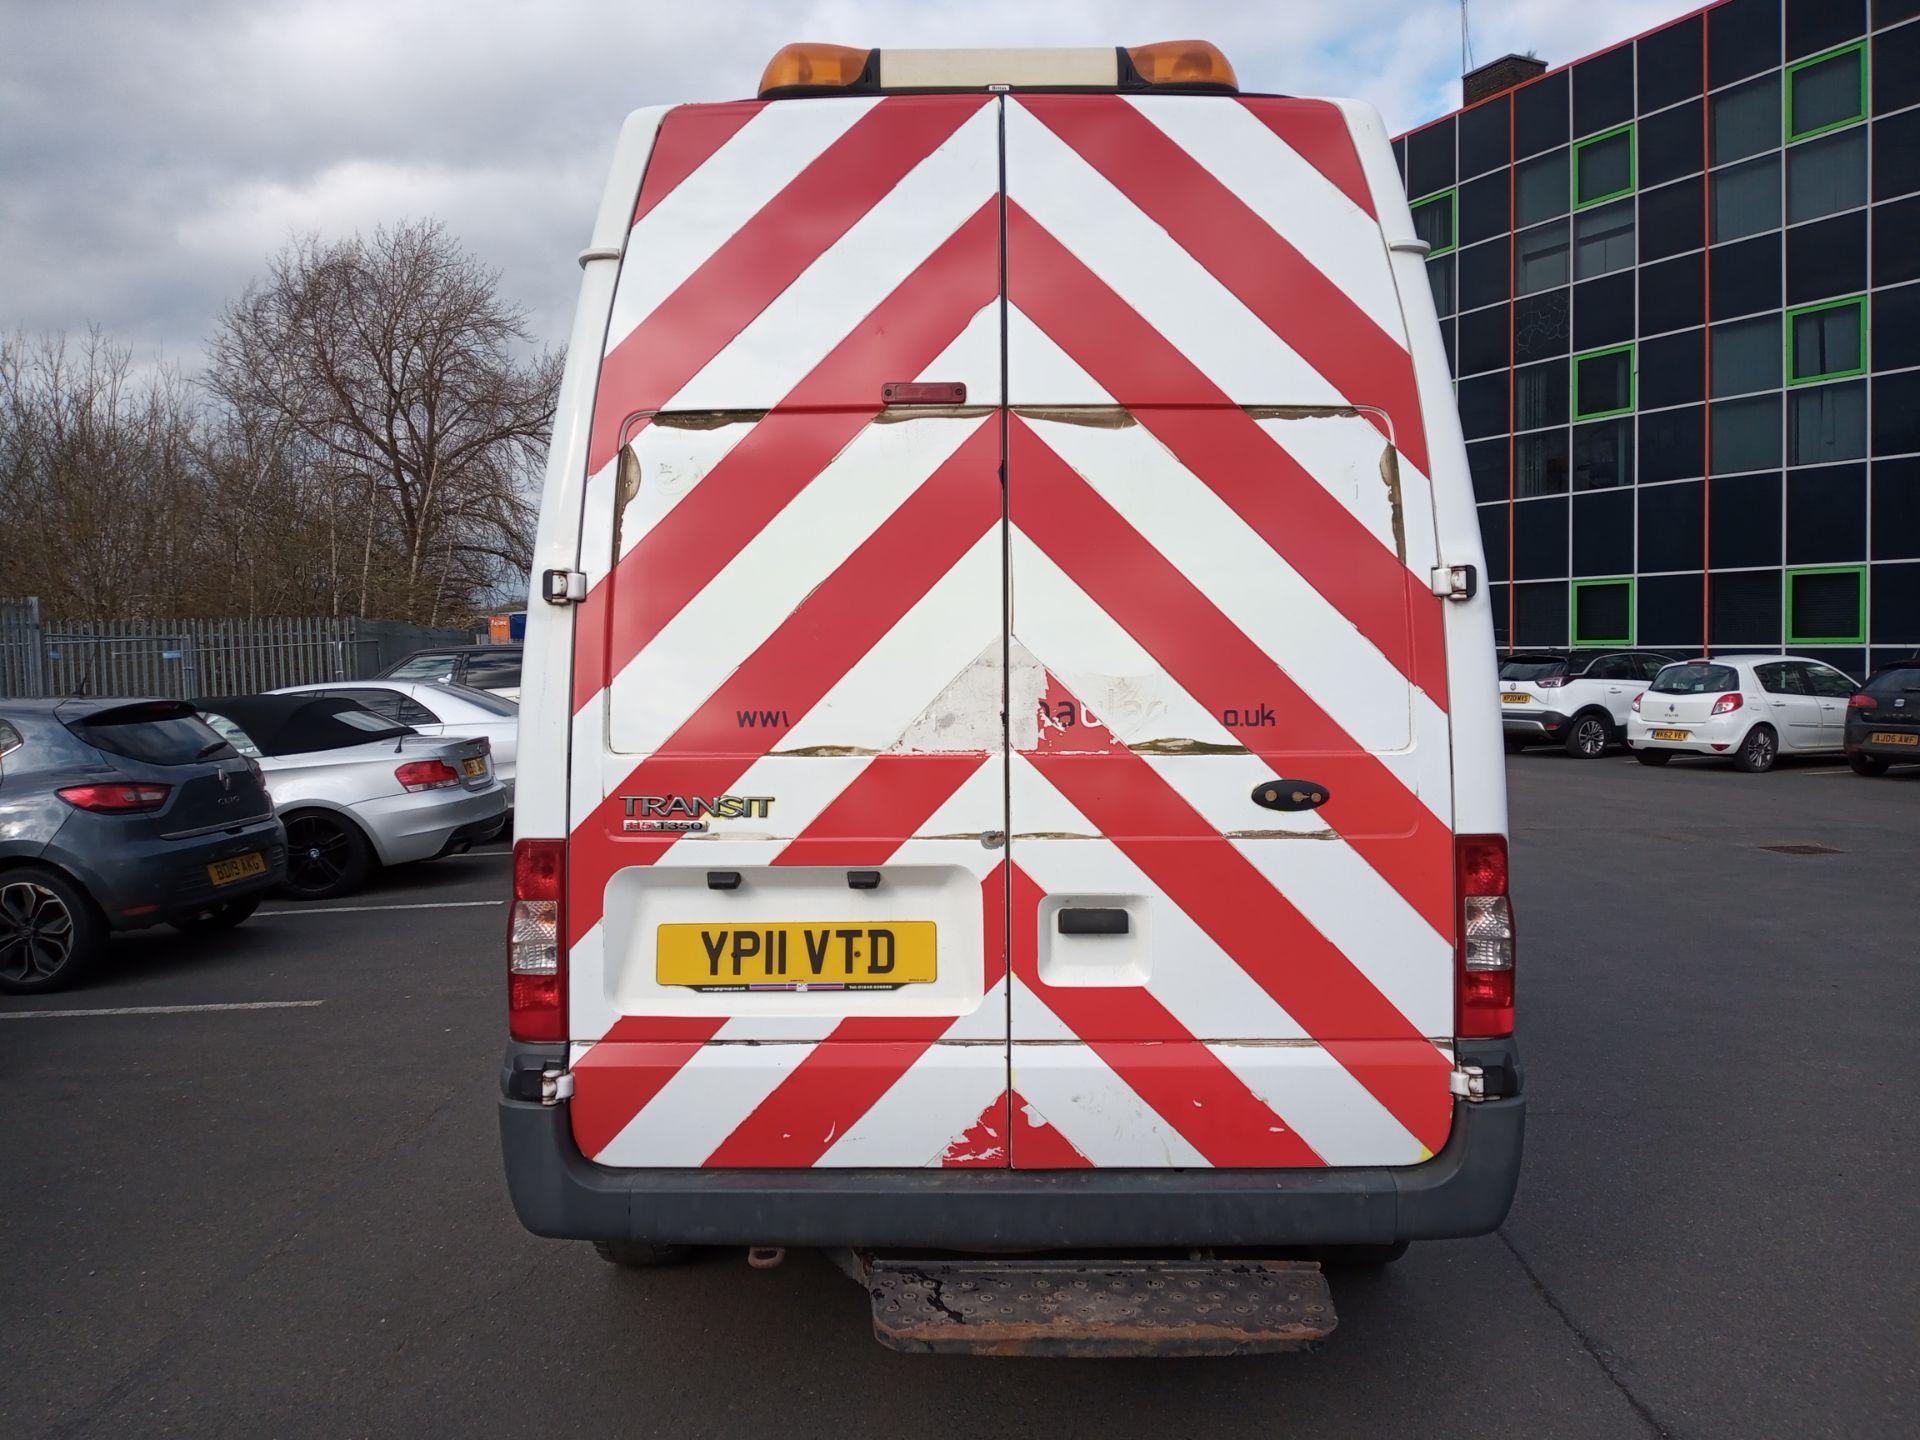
152	157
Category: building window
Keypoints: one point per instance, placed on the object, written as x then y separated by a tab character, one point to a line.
1746	199
1540	463
1746	356
1440	277
1603	240
1827	341
1540	258
1827	422
1436	221
1603	455
1603	383
1603	167
1540	188
1826	175
1827	92
1746	120
1603	611
1827	605
1746	435
1540	395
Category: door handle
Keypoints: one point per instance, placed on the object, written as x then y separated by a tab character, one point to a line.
1091	921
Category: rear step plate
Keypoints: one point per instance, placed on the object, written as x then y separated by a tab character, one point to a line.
983	1306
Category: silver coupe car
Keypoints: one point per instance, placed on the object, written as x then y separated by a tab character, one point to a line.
356	789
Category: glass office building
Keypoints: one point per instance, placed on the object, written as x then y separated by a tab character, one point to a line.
1679	282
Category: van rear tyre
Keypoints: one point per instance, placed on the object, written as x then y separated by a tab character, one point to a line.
641	1257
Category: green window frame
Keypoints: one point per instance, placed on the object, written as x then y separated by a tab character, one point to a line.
1859	635
1633	165
1857	48
1452	197
1791	327
1633	381
1597	642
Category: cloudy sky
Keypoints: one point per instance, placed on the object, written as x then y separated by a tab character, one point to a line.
153	152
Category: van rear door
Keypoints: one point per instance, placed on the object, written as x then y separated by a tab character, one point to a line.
786	895
1231	856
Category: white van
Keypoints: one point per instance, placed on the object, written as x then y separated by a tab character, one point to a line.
1010	758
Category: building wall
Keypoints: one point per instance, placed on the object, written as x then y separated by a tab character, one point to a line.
1679	283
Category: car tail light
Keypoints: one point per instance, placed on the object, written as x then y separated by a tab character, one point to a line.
536	937
1483	950
1727	704
126	798
1551	682
427	775
1863	702
1636	701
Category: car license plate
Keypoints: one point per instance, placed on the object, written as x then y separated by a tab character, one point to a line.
1669	734
1893	737
1511	698
237	867
796	957
473	766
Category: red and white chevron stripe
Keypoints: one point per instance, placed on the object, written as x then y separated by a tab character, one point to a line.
1178	552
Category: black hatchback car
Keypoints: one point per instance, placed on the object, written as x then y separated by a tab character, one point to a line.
1883	720
117	815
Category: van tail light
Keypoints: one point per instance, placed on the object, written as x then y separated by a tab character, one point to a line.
427	775
536	958
1727	704
1636	701
126	798
1483	949
1863	702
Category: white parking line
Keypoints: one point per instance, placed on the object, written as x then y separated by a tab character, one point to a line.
159	1009
363	909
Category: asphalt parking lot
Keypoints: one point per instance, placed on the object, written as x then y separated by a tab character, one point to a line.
284	1215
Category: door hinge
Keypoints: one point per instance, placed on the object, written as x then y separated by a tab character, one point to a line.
555	1086
563	587
1455	582
1469	1082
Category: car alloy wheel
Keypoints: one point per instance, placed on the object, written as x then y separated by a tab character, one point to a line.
36	932
1588	738
1759	750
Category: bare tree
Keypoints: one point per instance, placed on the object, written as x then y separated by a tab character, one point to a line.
395	360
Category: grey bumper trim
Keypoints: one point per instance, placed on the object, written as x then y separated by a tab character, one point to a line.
1464	1190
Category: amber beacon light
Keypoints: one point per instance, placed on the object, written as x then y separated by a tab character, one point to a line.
807	66
1183	62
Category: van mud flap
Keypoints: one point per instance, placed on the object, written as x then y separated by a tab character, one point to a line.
1083	1308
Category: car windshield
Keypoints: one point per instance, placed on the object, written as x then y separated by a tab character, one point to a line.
1695	680
484	700
423	667
233	735
1527	669
1904	681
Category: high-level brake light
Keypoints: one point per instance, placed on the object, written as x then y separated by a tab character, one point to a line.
536	938
1484	947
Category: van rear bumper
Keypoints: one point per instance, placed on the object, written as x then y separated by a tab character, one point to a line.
1463	1190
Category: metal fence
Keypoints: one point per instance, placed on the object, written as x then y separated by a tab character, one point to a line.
197	657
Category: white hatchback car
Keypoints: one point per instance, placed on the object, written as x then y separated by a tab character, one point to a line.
1750	708
434	708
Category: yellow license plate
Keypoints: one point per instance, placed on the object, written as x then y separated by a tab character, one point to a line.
473	766
1510	698
239	867
796	957
1893	737
1669	734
